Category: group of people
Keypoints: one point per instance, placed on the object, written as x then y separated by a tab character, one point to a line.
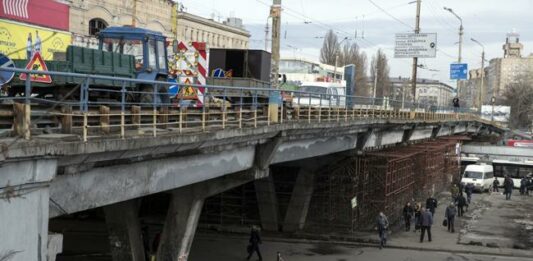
526	185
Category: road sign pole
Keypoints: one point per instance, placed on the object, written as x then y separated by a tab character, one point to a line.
415	59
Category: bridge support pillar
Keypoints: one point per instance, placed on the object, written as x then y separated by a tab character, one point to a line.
24	208
124	228
267	203
185	209
299	203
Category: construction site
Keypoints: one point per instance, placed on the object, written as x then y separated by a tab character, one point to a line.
350	192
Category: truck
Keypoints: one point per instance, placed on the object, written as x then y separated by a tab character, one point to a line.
126	52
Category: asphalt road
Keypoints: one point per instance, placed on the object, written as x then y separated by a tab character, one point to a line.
230	249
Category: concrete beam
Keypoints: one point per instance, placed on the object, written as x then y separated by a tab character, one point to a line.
124	231
267	203
24	196
264	153
117	183
408	133
301	149
300	200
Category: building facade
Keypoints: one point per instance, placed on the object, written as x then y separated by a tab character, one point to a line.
229	34
427	91
299	70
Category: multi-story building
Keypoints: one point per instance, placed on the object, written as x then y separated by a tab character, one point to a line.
427	91
298	70
88	17
230	34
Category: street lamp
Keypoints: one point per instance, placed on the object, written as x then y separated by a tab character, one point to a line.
482	87
459	60
337	59
493	101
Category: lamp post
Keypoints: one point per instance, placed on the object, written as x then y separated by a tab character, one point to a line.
482	87
459	58
337	60
493	101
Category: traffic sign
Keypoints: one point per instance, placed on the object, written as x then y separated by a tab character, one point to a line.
37	64
458	71
409	45
5	76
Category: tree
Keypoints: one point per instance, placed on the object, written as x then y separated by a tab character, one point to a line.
330	48
519	95
380	69
351	54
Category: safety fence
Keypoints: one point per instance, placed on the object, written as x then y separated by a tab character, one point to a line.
93	106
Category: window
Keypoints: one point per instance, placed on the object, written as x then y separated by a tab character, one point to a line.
96	25
489	175
151	53
161	55
473	175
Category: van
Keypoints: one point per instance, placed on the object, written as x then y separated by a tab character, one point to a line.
321	94
481	175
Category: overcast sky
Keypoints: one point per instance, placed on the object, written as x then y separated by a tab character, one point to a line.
488	21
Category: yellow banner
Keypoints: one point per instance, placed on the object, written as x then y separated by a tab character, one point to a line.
17	41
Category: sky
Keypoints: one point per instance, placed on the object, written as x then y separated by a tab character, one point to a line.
304	21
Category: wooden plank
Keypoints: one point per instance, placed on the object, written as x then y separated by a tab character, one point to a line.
163	117
66	119
136	116
104	119
18	109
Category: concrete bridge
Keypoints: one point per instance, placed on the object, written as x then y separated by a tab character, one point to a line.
53	175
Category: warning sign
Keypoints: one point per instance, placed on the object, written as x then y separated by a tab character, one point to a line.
37	64
188	92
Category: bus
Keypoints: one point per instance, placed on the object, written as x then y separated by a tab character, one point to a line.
514	169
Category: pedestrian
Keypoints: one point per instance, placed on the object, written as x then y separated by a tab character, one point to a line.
431	204
461	203
523	185
469	189
408	215
29	47
461	188
255	240
508	186
455	102
451	211
382	226
495	185
418	209
426	221
455	192
529	184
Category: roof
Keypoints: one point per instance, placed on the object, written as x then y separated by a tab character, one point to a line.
125	31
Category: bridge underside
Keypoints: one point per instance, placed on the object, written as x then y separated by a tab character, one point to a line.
114	174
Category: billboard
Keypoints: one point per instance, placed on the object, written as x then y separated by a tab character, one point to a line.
501	113
409	45
14	38
458	71
47	13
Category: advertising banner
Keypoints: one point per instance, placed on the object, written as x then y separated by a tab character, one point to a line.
409	45
20	41
47	13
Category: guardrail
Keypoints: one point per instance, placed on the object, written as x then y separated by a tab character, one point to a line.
91	110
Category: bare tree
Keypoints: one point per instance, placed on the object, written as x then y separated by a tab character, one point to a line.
351	54
379	68
519	95
330	48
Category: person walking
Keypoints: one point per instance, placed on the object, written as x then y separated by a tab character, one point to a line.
455	192
495	185
469	189
523	185
418	209
451	211
508	186
426	221
431	204
408	215
255	240
29	47
461	203
382	226
38	44
456	105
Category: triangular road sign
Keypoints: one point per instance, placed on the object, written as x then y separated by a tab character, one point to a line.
37	64
188	92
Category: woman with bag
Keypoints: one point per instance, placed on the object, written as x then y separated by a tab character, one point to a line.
417	216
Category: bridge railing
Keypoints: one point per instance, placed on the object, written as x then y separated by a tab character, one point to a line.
88	105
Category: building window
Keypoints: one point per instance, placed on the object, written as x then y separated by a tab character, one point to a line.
96	25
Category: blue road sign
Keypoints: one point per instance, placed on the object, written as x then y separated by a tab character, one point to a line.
458	71
5	76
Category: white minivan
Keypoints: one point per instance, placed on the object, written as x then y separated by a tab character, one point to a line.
481	175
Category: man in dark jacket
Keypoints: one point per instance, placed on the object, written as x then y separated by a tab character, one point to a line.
426	221
255	240
408	212
382	226
451	211
431	204
523	186
469	190
508	186
461	203
495	185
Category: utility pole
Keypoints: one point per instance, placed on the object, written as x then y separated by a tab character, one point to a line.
375	80
267	30
415	59
482	87
275	13
134	14
460	57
